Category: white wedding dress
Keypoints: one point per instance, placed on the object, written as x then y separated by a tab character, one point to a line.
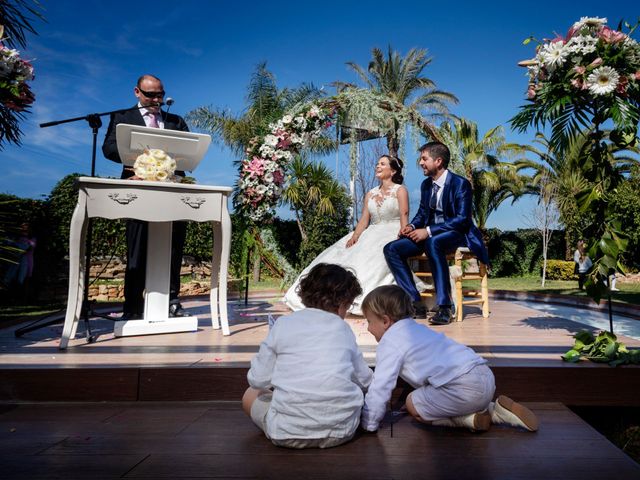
365	257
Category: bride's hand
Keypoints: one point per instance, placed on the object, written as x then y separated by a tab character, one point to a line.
352	241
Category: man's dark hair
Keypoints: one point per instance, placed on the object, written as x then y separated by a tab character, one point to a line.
435	150
327	286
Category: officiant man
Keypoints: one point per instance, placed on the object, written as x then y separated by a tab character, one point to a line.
150	93
443	223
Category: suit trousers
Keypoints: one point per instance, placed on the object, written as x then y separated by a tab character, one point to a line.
135	274
436	248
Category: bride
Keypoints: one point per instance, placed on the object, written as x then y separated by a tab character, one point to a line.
385	212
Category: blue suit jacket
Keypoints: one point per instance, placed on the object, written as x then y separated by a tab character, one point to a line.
457	209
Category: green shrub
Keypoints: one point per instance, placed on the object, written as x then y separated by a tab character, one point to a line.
560	270
519	253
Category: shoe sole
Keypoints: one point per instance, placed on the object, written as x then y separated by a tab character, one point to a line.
481	422
523	413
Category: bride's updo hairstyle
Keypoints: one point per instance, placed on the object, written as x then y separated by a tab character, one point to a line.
397	165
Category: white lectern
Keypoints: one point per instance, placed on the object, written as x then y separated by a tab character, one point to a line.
159	203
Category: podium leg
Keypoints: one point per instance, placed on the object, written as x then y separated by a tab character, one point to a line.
224	269
156	301
219	273
77	235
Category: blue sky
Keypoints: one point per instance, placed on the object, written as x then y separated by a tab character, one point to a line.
89	54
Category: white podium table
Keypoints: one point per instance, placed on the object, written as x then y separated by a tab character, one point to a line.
158	203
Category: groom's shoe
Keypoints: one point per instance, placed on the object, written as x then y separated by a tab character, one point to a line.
443	316
420	310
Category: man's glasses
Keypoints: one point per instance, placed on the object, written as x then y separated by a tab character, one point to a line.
159	94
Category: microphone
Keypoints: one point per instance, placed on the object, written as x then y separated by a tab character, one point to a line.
168	102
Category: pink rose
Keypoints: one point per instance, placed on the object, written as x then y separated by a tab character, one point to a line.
278	177
572	31
621	88
577	83
284	143
595	63
579	69
609	35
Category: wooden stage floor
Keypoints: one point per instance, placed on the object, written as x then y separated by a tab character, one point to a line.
188	440
522	345
166	406
514	335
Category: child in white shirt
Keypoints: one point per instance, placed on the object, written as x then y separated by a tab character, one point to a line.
307	380
454	386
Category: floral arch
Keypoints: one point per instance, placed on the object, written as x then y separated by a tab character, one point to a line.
263	172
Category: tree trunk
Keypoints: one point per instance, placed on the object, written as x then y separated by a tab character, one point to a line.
303	234
257	260
393	145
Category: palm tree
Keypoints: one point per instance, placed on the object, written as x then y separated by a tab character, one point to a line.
312	187
266	103
563	171
482	162
400	79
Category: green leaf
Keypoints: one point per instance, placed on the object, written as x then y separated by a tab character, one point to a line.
609	247
571	356
585	337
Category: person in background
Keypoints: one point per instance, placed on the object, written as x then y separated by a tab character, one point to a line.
583	262
149	91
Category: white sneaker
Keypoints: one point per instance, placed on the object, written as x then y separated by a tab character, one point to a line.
476	422
508	412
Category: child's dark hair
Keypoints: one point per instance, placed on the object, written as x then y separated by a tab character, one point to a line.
389	300
328	286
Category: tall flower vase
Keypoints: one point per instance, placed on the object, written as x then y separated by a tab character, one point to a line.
577	84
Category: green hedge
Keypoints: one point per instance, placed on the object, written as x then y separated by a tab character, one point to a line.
560	270
519	253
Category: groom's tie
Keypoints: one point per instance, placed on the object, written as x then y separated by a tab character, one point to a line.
433	201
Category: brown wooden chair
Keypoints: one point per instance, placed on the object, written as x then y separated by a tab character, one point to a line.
468	267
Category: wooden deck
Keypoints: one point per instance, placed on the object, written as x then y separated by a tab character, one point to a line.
166	406
215	440
522	345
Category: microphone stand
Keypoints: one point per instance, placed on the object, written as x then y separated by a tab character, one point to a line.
95	122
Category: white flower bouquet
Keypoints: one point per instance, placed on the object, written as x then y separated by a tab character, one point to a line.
155	165
587	76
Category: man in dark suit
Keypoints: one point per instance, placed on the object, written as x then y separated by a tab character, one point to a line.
443	223
150	93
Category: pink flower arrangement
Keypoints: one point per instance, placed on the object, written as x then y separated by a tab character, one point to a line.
262	178
592	59
15	93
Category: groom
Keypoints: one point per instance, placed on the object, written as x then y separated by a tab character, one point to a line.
443	223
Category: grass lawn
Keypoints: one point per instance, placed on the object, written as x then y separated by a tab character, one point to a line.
629	292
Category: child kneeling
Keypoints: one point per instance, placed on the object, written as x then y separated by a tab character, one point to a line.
308	378
454	386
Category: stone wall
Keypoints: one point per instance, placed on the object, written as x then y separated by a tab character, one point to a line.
112	270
